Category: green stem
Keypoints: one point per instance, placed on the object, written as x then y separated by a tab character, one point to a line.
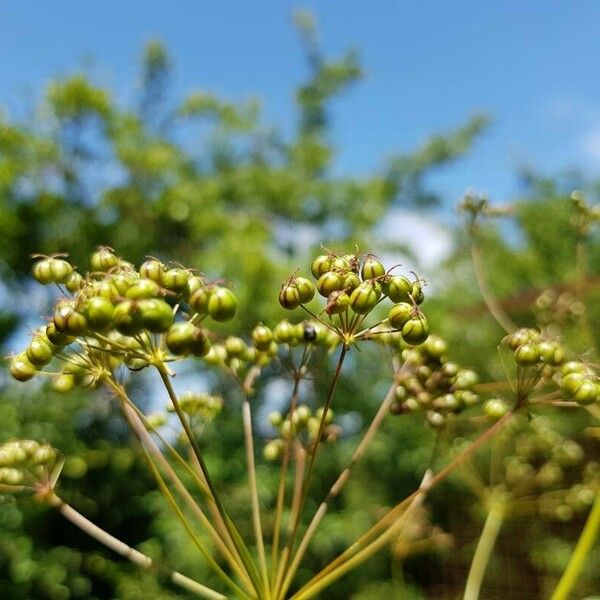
492	303
256	521
381	528
298	513
584	545
309	591
136	557
233	533
282	481
339	484
483	552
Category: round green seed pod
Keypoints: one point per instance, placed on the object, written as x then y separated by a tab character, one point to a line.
415	331
39	352
222	304
152	269
289	297
52	270
70	321
400	314
99	313
143	289
21	368
156	315
104	259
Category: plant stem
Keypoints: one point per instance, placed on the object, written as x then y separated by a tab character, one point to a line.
308	591
485	545
136	557
388	520
282	480
584	545
311	463
181	516
339	484
489	298
132	415
233	533
256	521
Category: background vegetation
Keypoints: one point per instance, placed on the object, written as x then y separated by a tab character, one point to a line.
209	183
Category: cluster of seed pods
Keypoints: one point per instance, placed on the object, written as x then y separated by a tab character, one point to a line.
551	467
577	380
353	286
302	425
430	383
118	314
26	464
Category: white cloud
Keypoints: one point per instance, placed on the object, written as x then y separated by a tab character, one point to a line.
429	240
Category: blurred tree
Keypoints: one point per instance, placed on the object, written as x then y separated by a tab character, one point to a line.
207	182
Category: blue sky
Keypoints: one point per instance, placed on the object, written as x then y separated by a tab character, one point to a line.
531	65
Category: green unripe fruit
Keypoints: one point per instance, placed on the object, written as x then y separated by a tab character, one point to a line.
520	337
571	382
586	393
119	282
306	289
99	313
107	289
194	283
176	280
68	320
364	298
275	418
216	355
526	355
301	416
262	337
235	346
400	314
103	259
551	353
21	368
495	409
283	332
573	367
435	419
342	263
152	269
401	393
199	344
178	338
222	304
465	379
272	450
143	289
185	338
74	282
200	297
289	297
320	265
416	293
63	383
351	281
56	337
52	270
127	318
337	303
435	347
372	269
398	288
39	352
156	315
450	369
330	282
